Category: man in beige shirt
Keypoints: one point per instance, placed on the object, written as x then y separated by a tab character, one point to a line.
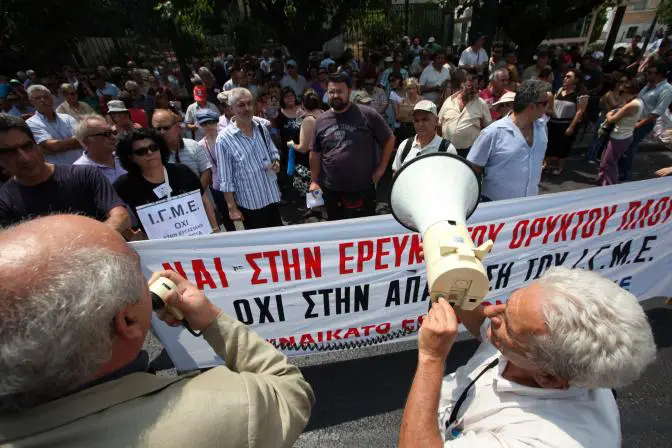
72	106
463	116
75	313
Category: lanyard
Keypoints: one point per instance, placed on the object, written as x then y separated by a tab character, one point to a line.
166	183
465	392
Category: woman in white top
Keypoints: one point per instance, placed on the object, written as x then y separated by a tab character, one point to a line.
624	120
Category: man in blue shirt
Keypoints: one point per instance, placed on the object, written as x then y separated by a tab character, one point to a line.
509	153
656	96
54	132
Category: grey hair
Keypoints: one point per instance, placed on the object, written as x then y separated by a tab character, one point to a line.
598	335
499	72
130	84
236	93
57	334
30	72
66	86
528	92
37	88
83	126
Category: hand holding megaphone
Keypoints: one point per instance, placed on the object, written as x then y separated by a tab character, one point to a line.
454	268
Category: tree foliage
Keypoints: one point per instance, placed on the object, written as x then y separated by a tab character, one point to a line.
665	12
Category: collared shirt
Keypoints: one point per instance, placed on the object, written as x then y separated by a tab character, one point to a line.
75	112
512	167
244	166
499	413
417	150
431	77
379	99
462	127
110	173
190	116
297	84
191	155
656	99
63	127
471	57
229	85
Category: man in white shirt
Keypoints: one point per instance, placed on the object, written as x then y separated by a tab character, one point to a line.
464	115
292	79
425	141
475	57
434	79
542	374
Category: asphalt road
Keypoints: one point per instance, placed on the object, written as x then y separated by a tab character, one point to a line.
361	394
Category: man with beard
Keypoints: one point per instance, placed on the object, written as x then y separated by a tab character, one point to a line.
344	161
464	115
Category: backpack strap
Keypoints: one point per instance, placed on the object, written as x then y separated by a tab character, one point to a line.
406	150
443	146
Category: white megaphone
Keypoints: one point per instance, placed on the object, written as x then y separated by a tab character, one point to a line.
435	194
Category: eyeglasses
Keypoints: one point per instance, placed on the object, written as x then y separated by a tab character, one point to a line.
13	151
164	128
141	152
106	133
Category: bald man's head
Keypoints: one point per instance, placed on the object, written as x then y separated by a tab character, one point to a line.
64	283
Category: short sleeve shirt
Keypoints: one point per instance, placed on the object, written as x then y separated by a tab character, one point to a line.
512	167
417	150
70	189
63	127
193	156
346	144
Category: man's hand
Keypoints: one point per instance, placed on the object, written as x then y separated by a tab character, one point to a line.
195	306
275	166
235	214
290	143
377	174
438	332
313	186
664	172
569	132
135	235
639	124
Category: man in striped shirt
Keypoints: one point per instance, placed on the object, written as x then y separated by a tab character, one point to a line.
248	163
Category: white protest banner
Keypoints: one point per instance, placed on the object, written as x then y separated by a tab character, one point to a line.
331	286
177	216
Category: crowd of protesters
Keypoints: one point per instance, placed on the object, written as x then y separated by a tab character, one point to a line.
260	132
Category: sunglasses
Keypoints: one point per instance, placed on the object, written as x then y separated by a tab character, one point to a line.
107	133
12	151
141	152
164	128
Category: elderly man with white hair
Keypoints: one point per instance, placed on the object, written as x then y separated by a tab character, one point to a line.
99	142
76	310
248	163
543	374
54	132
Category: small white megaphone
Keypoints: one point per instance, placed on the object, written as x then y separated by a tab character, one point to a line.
435	194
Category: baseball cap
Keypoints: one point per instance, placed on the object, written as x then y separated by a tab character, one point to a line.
361	97
427	106
431	40
291	62
508	97
204	116
200	93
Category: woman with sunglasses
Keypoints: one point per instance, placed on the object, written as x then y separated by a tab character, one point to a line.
568	109
144	154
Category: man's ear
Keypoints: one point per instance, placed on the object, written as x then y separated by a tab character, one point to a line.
548	381
126	323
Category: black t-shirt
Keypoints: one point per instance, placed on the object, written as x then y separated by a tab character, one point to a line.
70	189
135	190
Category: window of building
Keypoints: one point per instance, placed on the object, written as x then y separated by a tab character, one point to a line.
639	5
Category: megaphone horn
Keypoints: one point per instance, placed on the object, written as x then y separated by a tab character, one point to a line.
435	194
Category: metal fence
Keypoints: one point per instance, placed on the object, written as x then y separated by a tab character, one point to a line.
378	26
